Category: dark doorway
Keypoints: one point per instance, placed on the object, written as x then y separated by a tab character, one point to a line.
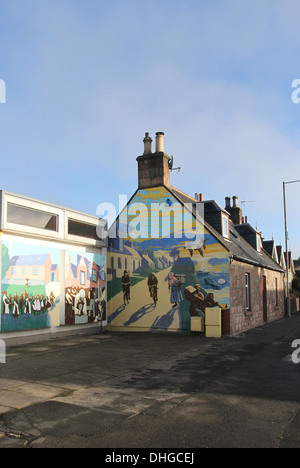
264	298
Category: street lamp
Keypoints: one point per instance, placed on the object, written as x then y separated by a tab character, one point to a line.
286	248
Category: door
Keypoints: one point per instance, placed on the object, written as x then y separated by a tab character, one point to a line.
264	298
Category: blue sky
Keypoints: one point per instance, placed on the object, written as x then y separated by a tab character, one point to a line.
86	79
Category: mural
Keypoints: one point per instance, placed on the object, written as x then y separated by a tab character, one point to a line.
85	288
30	286
158	280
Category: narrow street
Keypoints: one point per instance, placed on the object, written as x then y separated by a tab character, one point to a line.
154	390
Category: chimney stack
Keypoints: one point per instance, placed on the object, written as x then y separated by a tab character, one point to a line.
159	141
235	211
153	168
147	144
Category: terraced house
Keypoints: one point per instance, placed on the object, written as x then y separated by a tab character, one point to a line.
204	261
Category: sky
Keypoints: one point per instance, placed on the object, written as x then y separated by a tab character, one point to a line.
85	80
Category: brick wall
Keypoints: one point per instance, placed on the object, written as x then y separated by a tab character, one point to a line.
242	319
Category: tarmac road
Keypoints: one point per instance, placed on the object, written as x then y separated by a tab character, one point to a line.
153	390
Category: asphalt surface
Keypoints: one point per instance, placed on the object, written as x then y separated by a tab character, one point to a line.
154	391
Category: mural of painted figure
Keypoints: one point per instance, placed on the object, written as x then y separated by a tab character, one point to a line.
198	303
153	287
174	287
126	287
5	303
27	304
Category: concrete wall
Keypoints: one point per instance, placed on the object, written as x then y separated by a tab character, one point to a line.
52	292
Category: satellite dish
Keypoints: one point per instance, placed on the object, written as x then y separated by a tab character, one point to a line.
171	163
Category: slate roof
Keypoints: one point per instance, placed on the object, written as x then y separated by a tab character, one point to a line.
236	245
29	260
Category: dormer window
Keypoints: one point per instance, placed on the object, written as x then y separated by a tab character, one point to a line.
225	226
258	243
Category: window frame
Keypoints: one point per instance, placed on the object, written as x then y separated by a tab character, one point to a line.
248	291
225	219
28	203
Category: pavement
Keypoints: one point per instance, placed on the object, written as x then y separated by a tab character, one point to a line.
154	391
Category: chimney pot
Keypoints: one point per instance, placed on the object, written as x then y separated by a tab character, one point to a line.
227	201
246	219
235	202
159	142
201	197
147	144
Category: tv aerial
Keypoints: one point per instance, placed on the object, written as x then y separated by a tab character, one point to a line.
171	163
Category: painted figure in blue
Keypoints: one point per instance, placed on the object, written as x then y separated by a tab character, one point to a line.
174	287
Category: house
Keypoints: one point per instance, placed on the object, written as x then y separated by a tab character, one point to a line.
214	258
290	265
271	249
39	267
281	256
297	267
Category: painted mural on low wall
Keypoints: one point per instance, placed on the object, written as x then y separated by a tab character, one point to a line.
160	280
85	287
29	286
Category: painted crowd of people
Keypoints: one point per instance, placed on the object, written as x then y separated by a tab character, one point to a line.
36	304
81	301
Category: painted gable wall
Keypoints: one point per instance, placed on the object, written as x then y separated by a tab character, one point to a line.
165	248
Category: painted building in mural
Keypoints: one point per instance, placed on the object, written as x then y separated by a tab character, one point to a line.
53	267
172	257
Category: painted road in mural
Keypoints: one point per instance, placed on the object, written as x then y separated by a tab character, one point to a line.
147	314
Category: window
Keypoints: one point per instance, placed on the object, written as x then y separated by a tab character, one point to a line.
23	271
119	262
276	291
82	278
13	271
225	226
29	217
248	291
94	275
77	228
258	243
35	270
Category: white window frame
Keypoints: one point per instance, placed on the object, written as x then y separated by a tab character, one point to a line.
24	202
258	243
87	219
225	226
62	224
248	291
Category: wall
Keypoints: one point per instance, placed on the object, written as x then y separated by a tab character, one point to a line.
240	318
190	276
42	285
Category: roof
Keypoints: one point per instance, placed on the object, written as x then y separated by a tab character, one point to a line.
243	251
269	246
236	245
29	260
